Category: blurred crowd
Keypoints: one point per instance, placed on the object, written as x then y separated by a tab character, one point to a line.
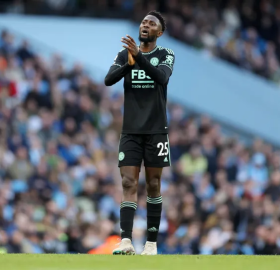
60	187
245	33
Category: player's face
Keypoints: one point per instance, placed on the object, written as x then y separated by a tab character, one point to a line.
150	29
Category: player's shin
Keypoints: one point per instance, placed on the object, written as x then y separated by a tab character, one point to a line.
154	207
127	216
129	205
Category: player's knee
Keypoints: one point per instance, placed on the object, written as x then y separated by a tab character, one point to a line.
153	185
129	183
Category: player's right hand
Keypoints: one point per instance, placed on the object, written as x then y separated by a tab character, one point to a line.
131	60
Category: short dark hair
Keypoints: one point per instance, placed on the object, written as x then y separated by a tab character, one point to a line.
159	17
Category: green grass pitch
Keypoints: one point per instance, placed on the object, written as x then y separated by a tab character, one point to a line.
160	262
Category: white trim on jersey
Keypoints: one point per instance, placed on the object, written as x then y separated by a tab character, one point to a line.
147	53
169	150
165	65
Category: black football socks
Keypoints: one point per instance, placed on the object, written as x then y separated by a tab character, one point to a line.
127	216
154	207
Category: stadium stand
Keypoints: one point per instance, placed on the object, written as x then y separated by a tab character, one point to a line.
60	185
244	33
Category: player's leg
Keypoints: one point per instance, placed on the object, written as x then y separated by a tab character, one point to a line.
130	158
156	156
154	207
130	175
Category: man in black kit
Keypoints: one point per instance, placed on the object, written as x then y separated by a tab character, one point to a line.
146	71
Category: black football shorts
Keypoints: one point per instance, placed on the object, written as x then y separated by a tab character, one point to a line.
153	149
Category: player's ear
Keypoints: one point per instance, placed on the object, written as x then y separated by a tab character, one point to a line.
160	33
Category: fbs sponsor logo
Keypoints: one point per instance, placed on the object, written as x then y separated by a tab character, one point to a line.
139	75
166	159
153	229
141	80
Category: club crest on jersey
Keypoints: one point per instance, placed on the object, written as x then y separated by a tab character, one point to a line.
154	61
121	156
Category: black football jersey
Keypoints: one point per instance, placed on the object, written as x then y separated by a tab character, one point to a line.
145	89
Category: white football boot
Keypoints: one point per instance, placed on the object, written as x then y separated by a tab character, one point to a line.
125	248
150	248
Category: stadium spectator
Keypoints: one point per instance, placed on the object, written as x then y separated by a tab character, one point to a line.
59	182
244	33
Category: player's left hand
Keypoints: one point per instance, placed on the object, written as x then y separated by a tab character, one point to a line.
130	45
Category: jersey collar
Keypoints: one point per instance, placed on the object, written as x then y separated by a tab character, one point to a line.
146	53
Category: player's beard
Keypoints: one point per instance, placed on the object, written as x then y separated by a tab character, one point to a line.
147	39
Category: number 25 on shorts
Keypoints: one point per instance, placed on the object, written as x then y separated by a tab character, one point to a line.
163	149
